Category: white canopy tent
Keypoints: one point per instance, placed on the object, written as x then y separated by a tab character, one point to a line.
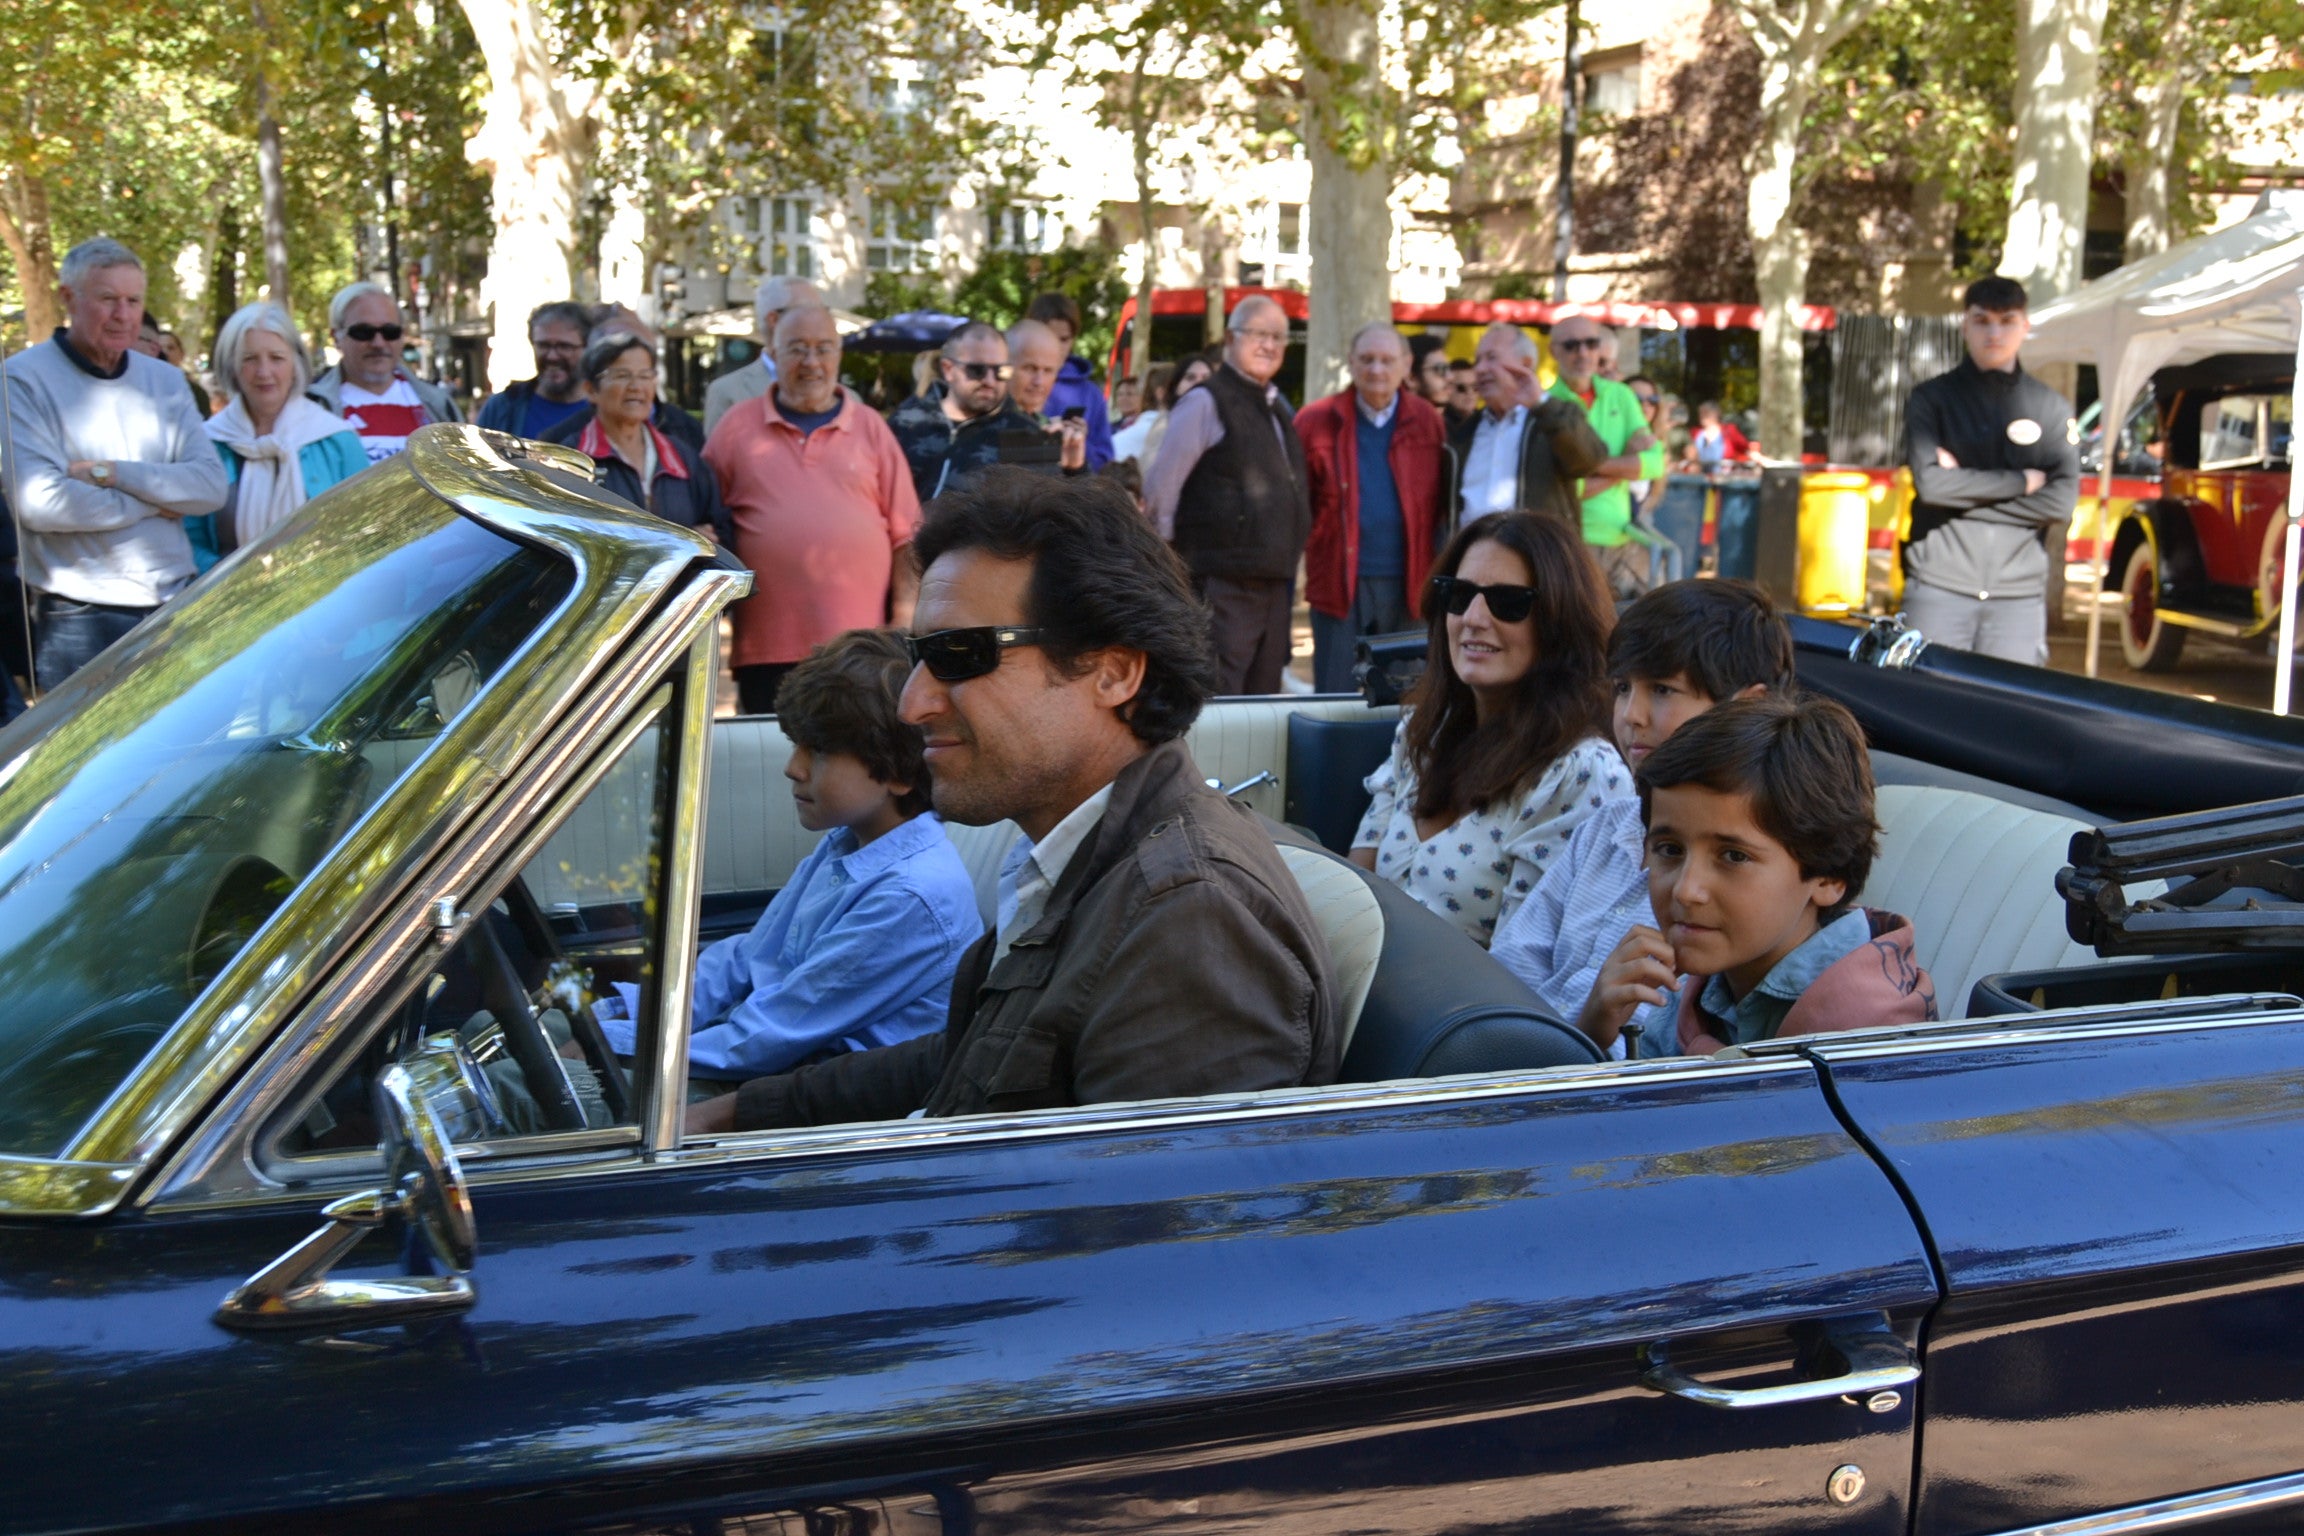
2240	289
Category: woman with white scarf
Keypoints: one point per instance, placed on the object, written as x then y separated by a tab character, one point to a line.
279	448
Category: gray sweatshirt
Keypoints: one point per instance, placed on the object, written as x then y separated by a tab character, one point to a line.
123	544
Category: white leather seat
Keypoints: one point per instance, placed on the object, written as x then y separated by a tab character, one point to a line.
1977	877
1349	918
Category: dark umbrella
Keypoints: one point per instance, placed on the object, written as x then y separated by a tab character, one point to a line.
918	330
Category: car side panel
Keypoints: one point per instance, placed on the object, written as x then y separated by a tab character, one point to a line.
2120	1218
1445	1296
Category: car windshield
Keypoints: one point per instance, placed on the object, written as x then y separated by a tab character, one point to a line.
161	805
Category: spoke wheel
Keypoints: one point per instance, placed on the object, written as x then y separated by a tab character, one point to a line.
2148	642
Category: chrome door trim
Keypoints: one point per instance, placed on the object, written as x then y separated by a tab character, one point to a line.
666	1094
1224	1109
2185	1509
2113	1021
217	1164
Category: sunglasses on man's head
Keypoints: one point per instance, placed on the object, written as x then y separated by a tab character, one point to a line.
956	655
979	372
1506	604
371	332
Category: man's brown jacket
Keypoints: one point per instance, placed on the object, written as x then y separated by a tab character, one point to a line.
1177	957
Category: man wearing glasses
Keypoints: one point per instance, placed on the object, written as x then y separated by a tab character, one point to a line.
955	428
533	407
1149	941
1634	453
370	388
1229	491
823	507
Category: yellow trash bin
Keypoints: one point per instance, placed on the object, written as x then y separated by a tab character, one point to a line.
1835	530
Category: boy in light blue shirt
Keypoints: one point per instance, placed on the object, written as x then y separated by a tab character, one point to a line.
1675	653
859	947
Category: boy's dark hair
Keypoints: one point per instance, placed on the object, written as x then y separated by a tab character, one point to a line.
1725	635
1463	764
1421	346
1055	306
843	699
1802	763
1127	474
1100	577
1997	294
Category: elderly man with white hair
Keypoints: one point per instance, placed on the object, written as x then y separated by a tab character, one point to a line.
1230	491
1524	451
371	388
769	301
279	447
111	460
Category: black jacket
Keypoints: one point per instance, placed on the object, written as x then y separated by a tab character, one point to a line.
1245	511
669	418
1177	957
1974	529
1558	448
692	502
940	450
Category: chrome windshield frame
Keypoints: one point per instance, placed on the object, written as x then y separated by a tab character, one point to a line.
623	564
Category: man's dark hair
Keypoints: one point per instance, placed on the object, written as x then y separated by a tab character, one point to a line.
1100	577
1459	365
1126	474
1996	294
1055	306
1725	635
1803	765
844	697
560	312
1463	763
973	330
1421	346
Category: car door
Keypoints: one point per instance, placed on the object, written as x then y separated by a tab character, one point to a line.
1415	1306
2115	1204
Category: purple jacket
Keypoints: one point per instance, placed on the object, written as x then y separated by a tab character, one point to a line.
1076	387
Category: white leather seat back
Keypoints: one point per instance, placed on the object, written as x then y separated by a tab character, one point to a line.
1977	877
1350	919
982	849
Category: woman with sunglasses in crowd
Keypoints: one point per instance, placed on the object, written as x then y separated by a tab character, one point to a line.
1503	748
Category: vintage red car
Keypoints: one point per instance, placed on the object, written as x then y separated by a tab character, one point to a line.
2205	554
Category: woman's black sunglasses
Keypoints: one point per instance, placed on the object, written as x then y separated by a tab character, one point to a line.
1506	605
956	655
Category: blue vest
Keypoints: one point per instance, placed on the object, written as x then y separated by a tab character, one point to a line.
1383	528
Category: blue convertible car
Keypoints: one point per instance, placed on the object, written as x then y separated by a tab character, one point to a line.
324	1205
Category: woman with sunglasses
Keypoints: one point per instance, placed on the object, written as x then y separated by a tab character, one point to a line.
1503	748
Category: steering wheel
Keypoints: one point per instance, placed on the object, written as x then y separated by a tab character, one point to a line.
543	943
524	1037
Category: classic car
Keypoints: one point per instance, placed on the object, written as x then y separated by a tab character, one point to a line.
2203	555
309	880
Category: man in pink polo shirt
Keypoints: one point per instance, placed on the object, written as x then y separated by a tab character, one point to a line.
824	510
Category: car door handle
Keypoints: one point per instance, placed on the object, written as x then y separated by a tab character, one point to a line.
1873	1375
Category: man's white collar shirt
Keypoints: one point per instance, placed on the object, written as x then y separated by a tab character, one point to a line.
1492	464
1029	873
1377	418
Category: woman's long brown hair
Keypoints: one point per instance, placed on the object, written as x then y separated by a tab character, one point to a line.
1461	765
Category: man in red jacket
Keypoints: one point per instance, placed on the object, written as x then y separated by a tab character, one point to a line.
1373	454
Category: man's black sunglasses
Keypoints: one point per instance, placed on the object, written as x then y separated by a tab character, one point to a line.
979	372
371	332
956	655
1506	605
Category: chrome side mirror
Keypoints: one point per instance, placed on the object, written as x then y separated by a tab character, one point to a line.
422	1183
1887	642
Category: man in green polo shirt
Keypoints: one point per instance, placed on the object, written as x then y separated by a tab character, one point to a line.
1635	454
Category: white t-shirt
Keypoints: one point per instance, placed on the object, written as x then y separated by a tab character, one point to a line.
385	422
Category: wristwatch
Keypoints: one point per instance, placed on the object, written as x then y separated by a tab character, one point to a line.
101	473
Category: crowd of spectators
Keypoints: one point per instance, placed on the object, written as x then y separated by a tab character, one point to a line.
1638	816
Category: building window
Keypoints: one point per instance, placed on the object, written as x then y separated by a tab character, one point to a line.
1612	83
1028	228
900	237
1289	237
786	227
1277	249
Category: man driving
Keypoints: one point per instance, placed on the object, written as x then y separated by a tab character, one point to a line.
1150	943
